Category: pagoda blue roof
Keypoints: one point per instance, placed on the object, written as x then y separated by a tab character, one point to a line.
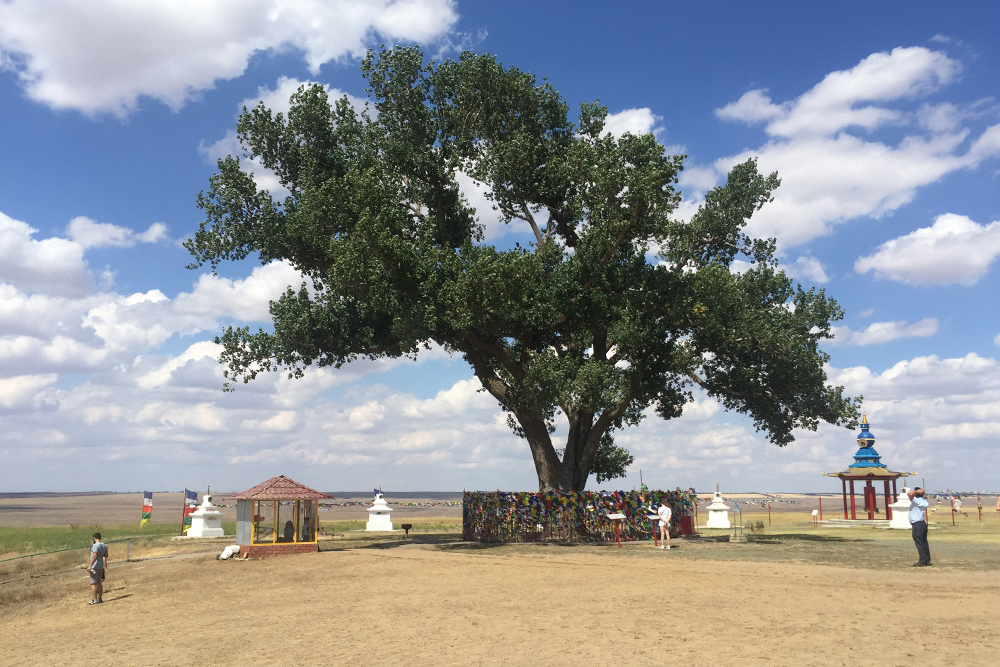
867	462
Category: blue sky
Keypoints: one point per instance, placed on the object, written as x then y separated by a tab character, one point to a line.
883	123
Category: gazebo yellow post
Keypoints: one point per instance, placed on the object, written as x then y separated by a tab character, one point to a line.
274	533
295	537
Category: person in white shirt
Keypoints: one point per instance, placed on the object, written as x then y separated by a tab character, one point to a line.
665	514
957	506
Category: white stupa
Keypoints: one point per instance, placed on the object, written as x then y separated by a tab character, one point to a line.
378	515
718	512
900	512
206	521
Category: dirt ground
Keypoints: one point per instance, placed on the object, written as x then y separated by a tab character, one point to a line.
441	602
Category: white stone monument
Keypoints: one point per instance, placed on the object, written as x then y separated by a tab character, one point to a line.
900	512
718	512
206	521
378	515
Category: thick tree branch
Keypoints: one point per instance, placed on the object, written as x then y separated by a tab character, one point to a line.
534	225
497	351
709	388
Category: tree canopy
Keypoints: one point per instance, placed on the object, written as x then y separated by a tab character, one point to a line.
616	305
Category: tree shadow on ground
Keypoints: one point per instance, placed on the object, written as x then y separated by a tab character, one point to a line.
799	537
553	544
443	540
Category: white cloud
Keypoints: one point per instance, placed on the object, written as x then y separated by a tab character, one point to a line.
103	55
65	334
753	107
883	332
90	234
246	299
23	389
830	175
53	265
634	121
56	266
364	417
952	250
162	375
808	268
283	421
452	402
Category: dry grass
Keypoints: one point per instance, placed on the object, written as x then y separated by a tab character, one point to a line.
433	601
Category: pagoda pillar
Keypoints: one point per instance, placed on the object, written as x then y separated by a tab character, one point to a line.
854	512
888	502
870	497
843	483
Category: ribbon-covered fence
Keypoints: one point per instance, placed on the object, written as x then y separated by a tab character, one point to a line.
582	516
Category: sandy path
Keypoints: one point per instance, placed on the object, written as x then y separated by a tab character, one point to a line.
512	605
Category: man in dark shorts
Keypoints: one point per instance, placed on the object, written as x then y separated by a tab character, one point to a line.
98	568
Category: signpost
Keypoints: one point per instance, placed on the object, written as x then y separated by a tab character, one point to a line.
654	522
617	519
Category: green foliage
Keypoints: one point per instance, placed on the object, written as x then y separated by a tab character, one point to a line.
611	461
36	539
615	306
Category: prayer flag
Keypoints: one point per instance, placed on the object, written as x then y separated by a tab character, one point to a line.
147	507
190	504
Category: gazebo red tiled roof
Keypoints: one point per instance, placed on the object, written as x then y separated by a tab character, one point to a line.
279	488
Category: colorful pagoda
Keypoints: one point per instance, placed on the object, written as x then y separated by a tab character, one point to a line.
868	468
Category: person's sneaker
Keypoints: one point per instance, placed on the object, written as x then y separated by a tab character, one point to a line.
668	546
93	602
662	547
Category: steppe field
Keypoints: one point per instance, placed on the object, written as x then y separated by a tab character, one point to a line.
793	595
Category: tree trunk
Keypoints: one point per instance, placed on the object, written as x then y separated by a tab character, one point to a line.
551	476
574	456
572	472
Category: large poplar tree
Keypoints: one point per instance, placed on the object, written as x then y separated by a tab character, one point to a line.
614	307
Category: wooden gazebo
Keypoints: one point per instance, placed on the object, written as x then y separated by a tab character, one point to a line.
868	468
277	517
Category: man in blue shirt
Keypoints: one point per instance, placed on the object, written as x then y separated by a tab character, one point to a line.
918	523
